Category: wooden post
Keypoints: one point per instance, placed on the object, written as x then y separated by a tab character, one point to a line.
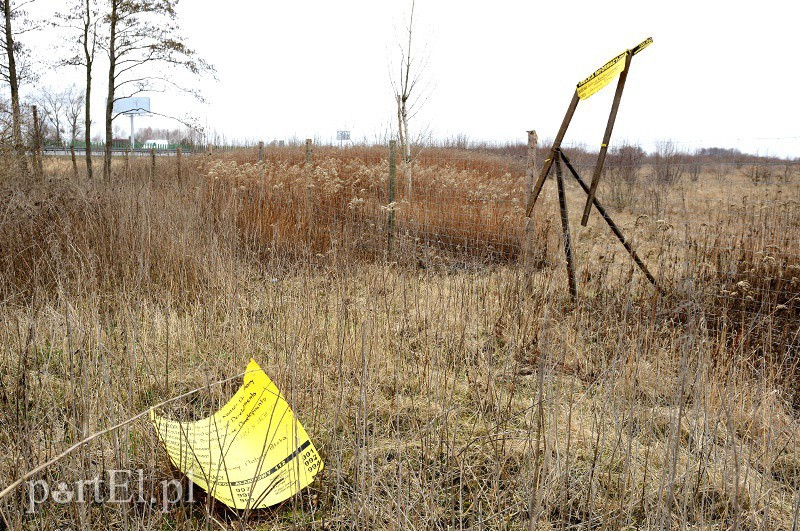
530	174
152	164
127	170
178	154
37	144
74	160
562	203
392	184
548	162
261	151
601	157
309	150
613	226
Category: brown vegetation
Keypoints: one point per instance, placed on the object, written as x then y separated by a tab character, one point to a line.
447	384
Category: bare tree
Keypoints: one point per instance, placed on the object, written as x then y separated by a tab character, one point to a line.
51	105
173	136
82	19
142	39
76	101
668	163
407	92
62	110
14	69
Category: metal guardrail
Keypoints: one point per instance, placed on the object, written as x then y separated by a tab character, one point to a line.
56	150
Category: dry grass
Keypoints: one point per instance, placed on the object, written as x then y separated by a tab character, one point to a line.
446	385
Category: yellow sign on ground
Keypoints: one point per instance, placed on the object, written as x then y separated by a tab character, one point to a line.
603	76
250	454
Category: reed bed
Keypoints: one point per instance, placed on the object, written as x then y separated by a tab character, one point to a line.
448	384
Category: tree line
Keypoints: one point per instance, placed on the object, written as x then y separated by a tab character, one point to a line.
140	41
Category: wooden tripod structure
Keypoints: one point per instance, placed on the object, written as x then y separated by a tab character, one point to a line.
586	88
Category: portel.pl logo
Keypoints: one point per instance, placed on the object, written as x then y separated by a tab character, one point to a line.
116	486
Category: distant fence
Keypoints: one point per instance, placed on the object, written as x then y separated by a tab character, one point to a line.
100	151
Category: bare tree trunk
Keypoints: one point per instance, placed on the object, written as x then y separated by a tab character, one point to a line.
405	143
88	124
530	178
408	80
74	160
400	132
19	146
51	103
89	56
407	146
38	169
112	58
407	157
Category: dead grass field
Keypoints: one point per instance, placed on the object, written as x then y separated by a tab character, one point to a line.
450	384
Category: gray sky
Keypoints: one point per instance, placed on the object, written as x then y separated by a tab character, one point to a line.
716	75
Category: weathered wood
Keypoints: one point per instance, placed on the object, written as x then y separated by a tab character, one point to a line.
548	162
562	205
392	185
530	175
530	171
37	144
617	232
261	151
153	165
601	157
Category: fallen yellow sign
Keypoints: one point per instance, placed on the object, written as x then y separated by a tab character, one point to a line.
603	75
250	454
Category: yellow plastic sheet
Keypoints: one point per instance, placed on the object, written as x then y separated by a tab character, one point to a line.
250	454
606	73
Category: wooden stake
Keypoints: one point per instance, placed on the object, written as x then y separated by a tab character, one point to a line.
601	157
562	204
548	162
152	164
530	173
261	151
613	226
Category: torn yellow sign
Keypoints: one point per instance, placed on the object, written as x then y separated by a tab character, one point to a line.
250	454
603	75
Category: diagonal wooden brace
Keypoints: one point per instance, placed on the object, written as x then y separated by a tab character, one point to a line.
613	226
601	157
548	162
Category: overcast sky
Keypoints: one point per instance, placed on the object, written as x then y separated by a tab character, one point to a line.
717	74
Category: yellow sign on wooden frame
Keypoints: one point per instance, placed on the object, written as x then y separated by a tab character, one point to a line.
606	73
